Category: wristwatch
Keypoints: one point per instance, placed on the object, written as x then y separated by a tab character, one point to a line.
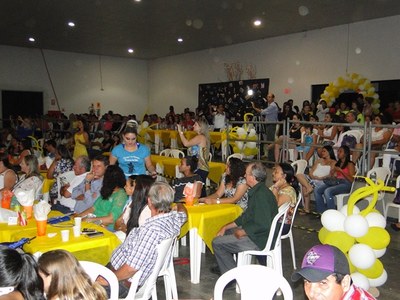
218	202
88	181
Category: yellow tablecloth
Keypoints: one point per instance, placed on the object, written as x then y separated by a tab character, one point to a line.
169	163
208	219
97	249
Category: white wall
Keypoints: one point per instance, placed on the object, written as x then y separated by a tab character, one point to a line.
313	57
135	86
76	79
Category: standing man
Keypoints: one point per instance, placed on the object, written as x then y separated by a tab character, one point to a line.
270	114
87	192
326	274
250	230
138	251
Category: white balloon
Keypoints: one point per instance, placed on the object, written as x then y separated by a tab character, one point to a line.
380	252
251	145
375	219
375	96
362	256
356	226
252	132
378	281
239	145
356	210
145	124
241	131
360	280
333	220
371	90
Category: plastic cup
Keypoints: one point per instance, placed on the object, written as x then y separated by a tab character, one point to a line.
78	222
65	235
6	202
189	201
41	227
77	231
28	211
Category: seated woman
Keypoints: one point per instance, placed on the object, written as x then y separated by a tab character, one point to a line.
136	210
328	134
342	176
380	136
285	190
8	178
62	163
308	139
233	187
294	136
19	277
31	180
25	148
109	205
64	278
187	167
319	171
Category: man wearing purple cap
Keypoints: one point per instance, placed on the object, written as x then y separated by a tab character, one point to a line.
326	275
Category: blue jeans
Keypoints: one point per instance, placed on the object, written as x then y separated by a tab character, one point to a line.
325	194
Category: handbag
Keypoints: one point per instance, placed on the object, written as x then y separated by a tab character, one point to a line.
331	181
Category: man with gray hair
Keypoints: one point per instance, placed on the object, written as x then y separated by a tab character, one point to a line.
250	230
138	251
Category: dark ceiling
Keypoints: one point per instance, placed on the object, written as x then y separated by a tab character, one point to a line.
151	27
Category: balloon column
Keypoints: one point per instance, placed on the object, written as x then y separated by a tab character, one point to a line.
353	82
360	235
249	147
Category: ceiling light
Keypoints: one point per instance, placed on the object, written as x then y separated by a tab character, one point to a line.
250	92
138	0
257	22
71	24
31	39
130	50
180	40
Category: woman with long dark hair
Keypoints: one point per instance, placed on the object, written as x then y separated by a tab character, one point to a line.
340	180
7	175
19	278
109	205
285	189
136	210
233	187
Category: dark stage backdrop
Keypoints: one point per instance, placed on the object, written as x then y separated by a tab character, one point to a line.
234	96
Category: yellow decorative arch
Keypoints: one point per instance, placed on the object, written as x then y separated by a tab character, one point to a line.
354	82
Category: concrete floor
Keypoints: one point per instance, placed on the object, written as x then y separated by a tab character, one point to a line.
304	239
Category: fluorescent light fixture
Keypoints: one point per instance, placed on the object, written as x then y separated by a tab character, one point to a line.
180	40
130	50
31	39
71	24
257	22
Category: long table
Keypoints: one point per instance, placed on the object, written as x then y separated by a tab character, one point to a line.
170	163
204	222
97	249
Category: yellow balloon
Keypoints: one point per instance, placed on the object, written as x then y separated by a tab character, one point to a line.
374	272
376	238
322	234
340	239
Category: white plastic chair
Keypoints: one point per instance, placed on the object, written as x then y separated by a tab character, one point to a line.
65	177
391	204
255	282
148	289
384	174
95	270
165	152
176	153
236	155
299	165
289	235
272	249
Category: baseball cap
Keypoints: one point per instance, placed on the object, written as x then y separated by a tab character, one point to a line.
320	262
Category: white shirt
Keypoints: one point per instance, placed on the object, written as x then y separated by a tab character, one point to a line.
69	202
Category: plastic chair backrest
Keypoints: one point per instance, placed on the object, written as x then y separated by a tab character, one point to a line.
164	252
255	282
95	270
274	238
67	176
237	155
299	166
382	173
299	196
176	153
165	152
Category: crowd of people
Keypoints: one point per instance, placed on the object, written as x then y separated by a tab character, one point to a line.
119	191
